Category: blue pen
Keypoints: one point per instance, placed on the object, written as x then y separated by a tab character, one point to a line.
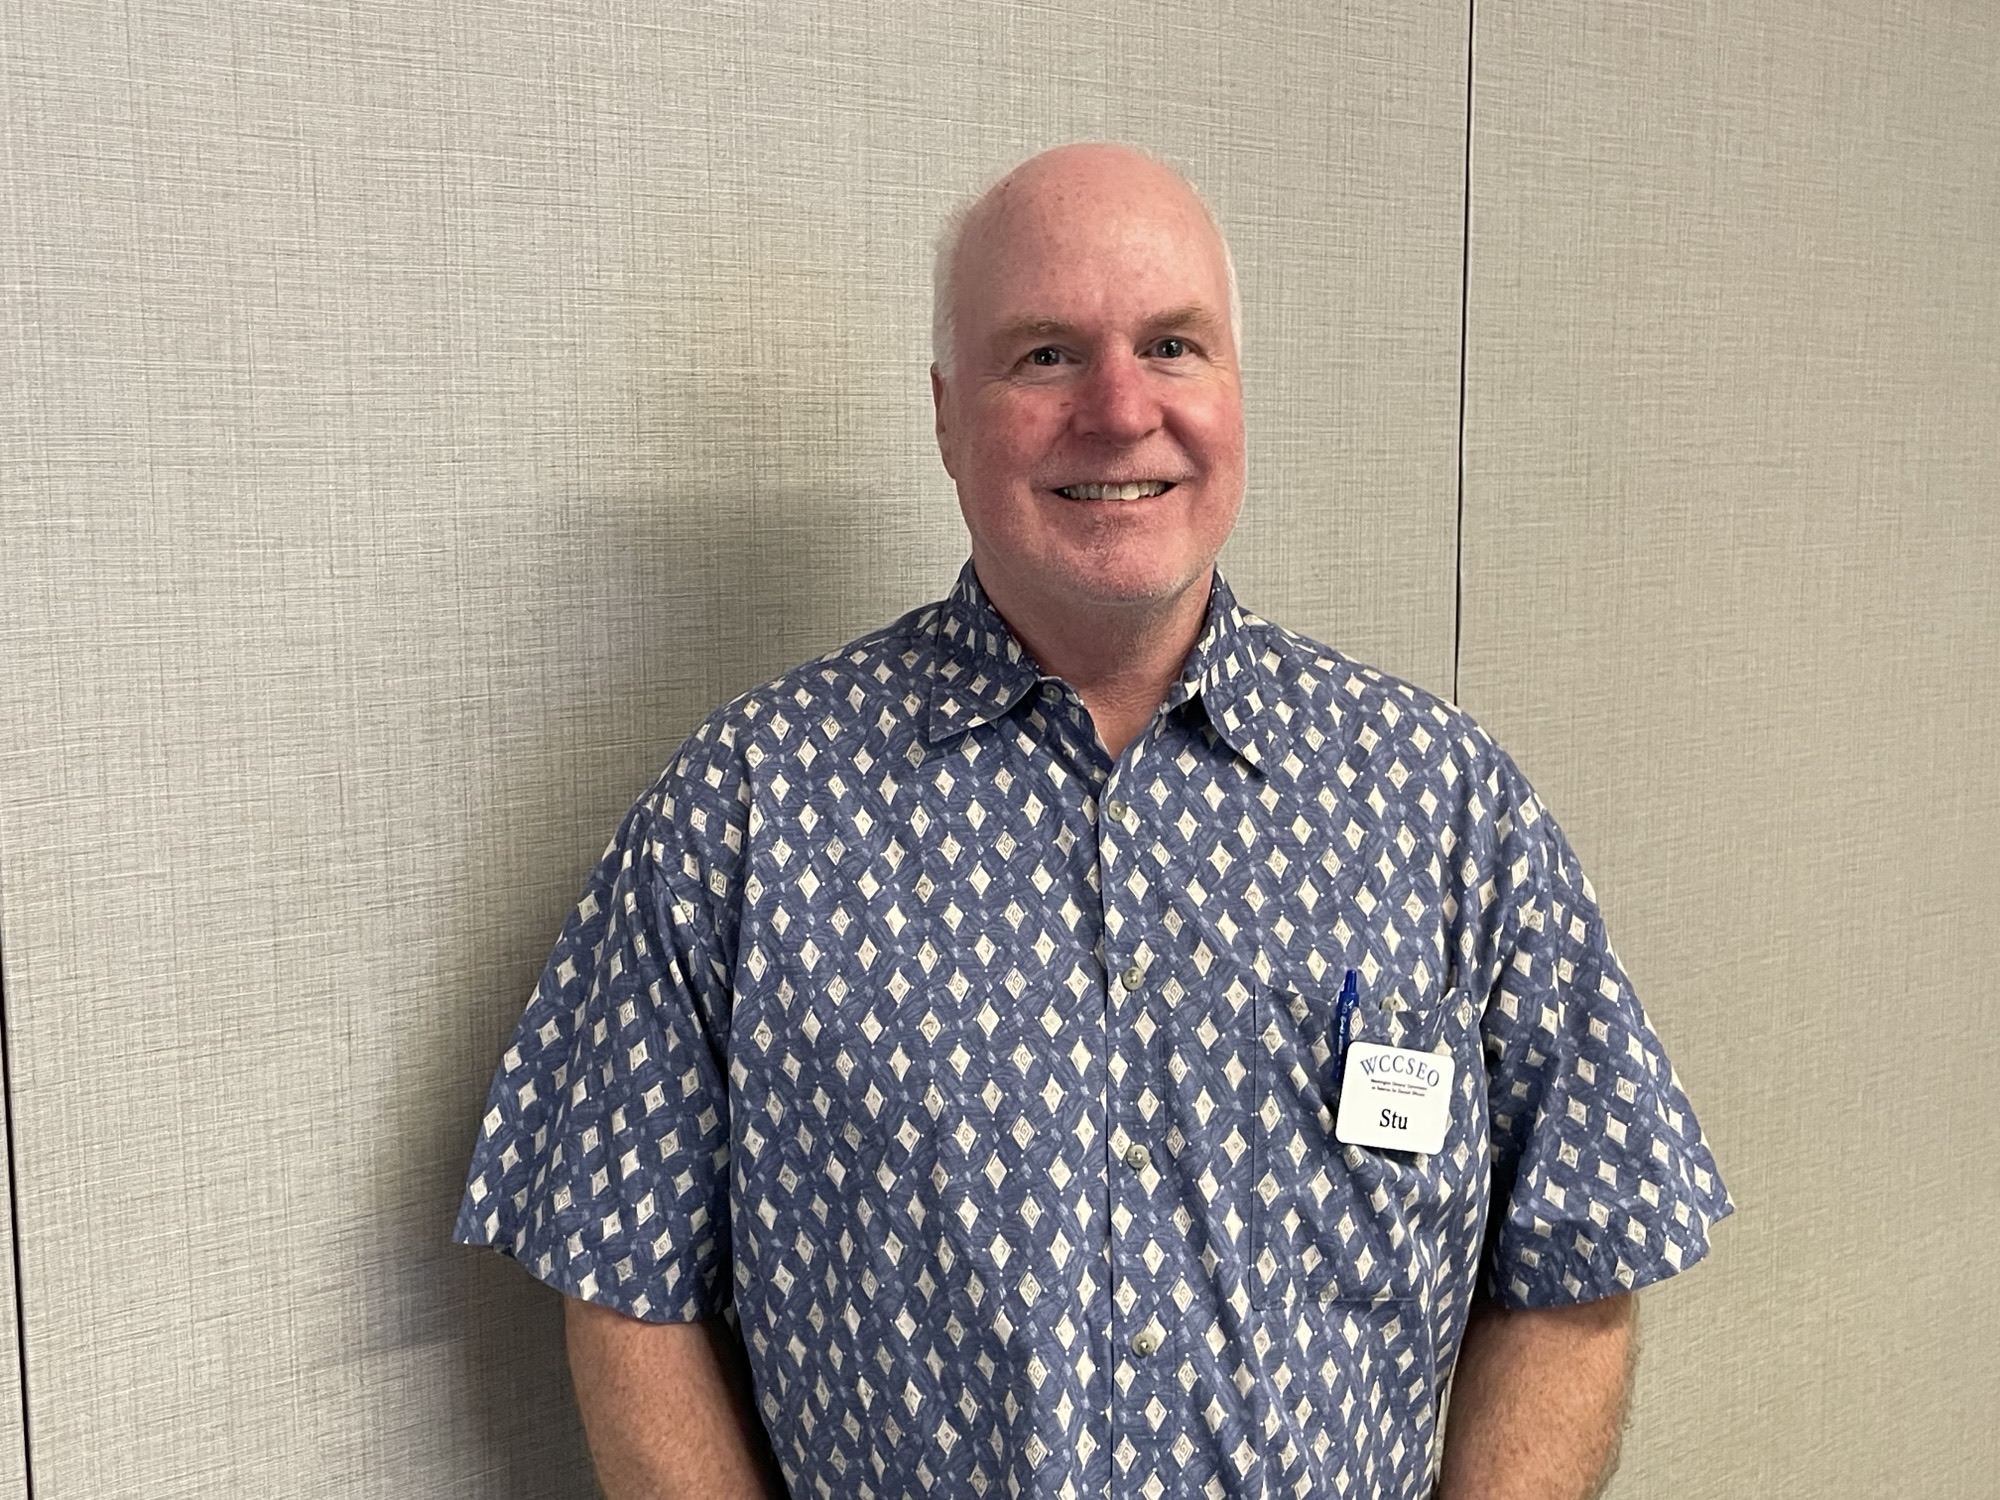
1350	996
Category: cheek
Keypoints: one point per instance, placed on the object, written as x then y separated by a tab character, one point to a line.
1214	425
1020	431
1223	456
1228	425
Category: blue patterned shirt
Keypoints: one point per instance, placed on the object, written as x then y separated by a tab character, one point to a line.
993	1080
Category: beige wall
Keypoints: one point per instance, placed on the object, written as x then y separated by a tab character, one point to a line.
431	410
417	415
1732	585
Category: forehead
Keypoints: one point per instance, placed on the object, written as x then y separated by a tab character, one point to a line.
1098	248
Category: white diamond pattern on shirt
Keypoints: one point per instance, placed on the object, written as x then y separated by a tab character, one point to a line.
993	1083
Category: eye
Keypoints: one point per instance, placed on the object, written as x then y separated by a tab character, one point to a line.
1170	348
1045	356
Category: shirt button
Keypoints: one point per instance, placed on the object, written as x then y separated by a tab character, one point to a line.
1137	1157
1117	810
1132	978
1145	1342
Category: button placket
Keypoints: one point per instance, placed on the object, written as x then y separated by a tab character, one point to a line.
1144	1336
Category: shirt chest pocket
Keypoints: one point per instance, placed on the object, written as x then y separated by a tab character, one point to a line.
1328	1222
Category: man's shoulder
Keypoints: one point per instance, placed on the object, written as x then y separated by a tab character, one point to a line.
886	670
1382	752
1346	700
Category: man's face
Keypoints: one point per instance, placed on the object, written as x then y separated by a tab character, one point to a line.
1093	417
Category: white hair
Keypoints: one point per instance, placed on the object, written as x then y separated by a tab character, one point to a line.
944	263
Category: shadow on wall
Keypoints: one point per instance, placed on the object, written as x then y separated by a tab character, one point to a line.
767	614
522	1414
783	494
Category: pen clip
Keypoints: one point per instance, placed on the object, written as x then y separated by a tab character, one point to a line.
1350	997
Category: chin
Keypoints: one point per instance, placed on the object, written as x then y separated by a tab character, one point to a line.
1132	587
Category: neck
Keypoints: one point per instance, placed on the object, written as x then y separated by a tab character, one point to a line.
1122	660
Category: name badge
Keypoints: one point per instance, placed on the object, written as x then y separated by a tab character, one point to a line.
1393	1098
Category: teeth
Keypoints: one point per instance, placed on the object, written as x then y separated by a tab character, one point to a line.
1143	490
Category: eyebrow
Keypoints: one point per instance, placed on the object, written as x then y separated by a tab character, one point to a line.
1031	328
1191	316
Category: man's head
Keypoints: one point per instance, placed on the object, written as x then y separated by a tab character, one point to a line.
1087	392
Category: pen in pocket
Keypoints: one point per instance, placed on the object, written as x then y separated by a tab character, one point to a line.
1350	997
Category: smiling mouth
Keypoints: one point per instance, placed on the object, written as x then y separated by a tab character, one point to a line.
1144	489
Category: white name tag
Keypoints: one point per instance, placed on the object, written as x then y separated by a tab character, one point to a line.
1394	1098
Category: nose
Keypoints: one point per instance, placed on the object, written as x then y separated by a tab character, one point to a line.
1117	401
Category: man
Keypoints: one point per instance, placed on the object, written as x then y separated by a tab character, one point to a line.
993	1015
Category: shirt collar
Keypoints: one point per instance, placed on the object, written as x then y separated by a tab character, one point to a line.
1226	678
983	671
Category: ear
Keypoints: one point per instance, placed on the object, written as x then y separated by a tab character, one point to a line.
938	416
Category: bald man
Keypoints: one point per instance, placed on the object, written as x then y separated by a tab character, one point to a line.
1083	1039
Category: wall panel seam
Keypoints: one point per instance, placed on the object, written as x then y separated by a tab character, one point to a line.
14	1212
1464	336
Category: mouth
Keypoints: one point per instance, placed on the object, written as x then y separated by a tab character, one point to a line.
1138	489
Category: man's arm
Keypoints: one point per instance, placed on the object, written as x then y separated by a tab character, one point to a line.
667	1408
1538	1401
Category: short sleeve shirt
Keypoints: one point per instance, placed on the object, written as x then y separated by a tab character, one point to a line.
990	1081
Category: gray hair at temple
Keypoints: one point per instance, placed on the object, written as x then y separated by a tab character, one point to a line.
944	261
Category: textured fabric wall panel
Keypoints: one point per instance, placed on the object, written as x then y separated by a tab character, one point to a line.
1732	543
416	417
